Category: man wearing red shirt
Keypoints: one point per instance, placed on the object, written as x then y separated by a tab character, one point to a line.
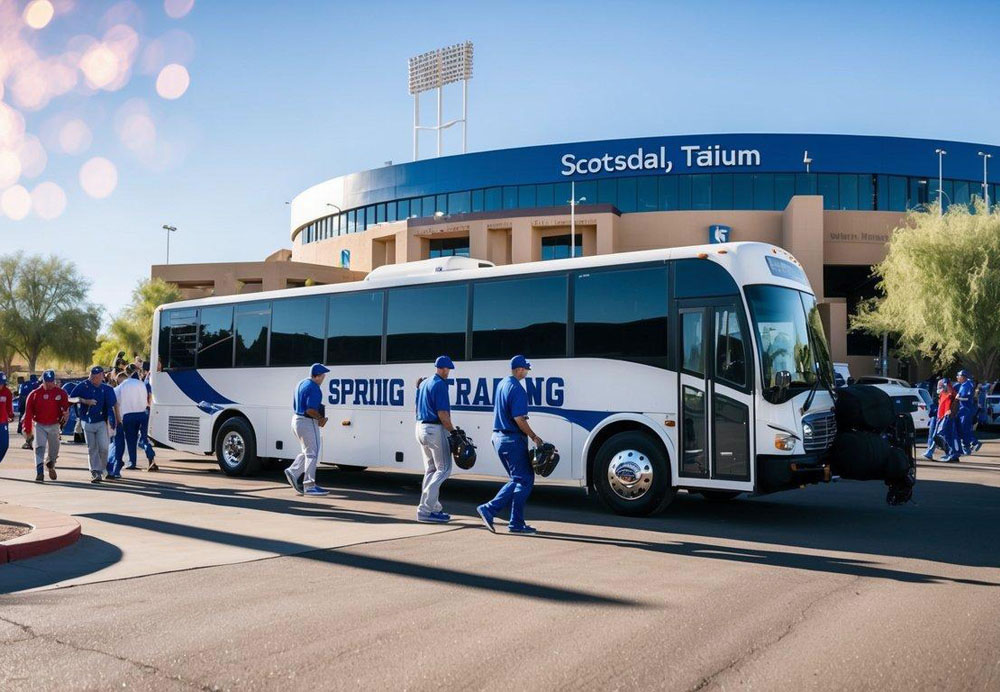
45	413
6	414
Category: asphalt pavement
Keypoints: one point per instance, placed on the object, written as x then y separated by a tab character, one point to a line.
189	579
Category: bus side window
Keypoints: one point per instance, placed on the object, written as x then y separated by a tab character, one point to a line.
253	321
730	354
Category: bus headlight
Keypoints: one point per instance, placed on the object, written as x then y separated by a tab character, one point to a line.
786	443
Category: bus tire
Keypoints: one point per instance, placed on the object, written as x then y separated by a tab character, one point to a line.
236	448
720	495
351	469
632	475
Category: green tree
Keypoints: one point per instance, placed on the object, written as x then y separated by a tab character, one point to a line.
44	308
132	329
941	286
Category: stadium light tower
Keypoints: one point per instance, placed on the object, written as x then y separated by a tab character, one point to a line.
986	185
434	70
169	229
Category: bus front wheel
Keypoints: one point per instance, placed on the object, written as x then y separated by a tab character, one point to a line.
236	448
632	475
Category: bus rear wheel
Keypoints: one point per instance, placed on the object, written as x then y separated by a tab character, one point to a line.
632	475
236	448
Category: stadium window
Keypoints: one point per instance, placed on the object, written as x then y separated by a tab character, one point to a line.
354	329
510	197
459	202
763	191
743	191
390	211
428	206
527	196
626	195
805	183
380	213
493	199
558	247
684	192
897	193
622	315
370	216
537	327
441	204
828	185
701	191
587	188
413	338
722	191
848	192
403	209
647	193
607	191
477	201
668	193
447	247
561	193
252	323
543	197
961	195
297	331
215	337
866	192
784	189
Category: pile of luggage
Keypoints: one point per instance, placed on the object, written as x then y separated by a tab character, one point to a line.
874	442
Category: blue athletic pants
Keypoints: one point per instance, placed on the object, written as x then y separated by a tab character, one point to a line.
513	453
4	440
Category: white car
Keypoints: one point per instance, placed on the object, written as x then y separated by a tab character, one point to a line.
916	402
993	408
878	379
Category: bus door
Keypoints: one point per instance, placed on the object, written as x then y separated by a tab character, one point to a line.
716	399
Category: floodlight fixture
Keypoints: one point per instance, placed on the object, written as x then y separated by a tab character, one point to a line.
434	70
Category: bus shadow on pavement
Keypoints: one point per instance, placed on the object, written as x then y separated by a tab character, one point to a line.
86	556
381	565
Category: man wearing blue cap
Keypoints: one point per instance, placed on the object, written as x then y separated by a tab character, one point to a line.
98	411
511	433
433	426
965	394
45	412
309	417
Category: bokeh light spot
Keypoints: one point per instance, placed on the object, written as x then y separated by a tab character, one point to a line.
49	200
100	65
10	168
15	202
33	157
172	81
75	137
176	9
98	177
38	13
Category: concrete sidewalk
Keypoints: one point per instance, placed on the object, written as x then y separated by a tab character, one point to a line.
122	520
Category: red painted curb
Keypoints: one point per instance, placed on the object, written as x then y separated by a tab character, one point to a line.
50	532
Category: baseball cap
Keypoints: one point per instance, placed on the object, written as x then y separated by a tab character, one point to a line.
443	362
3	378
963	373
49	376
33	377
520	362
318	369
96	370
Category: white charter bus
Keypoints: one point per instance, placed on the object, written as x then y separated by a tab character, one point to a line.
703	368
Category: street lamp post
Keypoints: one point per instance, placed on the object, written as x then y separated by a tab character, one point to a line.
169	230
573	201
941	154
986	189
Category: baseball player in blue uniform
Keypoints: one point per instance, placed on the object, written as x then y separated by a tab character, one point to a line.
511	433
309	417
432	430
966	413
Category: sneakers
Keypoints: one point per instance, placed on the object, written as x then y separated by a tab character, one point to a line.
152	467
950	459
525	529
976	447
131	467
315	491
293	481
434	518
487	518
929	454
39	477
95	476
51	466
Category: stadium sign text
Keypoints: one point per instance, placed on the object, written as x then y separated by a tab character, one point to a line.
694	156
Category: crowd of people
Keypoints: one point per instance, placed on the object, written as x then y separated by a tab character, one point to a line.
961	407
108	411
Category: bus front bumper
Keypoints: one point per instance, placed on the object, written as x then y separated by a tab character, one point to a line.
783	472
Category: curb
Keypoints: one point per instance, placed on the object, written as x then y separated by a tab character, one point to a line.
49	532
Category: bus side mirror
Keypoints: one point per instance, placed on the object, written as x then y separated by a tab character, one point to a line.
782	381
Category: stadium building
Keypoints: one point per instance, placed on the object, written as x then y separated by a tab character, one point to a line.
831	200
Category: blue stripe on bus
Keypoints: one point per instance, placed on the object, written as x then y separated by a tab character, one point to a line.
588	420
195	388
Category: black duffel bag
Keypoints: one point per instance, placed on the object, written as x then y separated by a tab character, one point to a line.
863	407
860	456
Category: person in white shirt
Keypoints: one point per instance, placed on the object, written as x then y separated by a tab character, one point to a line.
133	398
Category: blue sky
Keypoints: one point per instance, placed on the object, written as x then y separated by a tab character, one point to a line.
285	94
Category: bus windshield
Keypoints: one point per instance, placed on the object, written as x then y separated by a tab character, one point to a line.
789	335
